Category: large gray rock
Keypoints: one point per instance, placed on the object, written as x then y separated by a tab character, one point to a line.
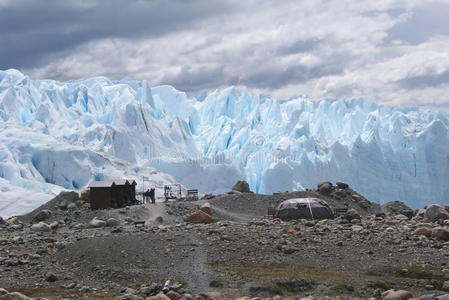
2	221
41	227
397	208
436	212
111	222
241	186
325	187
42	215
97	223
396	295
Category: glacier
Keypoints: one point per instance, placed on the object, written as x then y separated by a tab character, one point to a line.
62	135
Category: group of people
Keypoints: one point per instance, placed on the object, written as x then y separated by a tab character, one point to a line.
149	195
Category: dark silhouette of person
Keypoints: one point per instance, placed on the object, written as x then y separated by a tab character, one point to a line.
151	194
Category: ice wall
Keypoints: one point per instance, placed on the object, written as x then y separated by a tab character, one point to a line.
385	153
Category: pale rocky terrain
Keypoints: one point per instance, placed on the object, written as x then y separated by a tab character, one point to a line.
63	250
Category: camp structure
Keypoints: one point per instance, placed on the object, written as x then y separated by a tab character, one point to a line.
112	193
303	208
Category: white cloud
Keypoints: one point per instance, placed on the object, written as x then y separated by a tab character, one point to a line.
341	49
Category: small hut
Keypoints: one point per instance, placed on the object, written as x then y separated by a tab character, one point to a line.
112	193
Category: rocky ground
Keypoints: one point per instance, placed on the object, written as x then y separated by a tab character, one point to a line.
64	250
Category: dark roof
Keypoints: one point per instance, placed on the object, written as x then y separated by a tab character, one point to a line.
97	184
110	183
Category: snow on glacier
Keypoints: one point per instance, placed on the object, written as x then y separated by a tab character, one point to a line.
386	153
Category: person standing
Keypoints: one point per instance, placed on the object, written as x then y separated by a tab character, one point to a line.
153	199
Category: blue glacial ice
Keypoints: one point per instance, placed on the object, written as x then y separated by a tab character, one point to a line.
70	130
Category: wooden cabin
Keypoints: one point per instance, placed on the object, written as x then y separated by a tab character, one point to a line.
112	193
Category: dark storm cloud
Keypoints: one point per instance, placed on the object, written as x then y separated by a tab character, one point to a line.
35	31
195	80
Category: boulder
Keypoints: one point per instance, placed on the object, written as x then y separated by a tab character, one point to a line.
97	223
63	205
436	212
50	277
445	286
241	186
41	227
54	225
2	221
206	208
15	296
173	295
342	185
352	214
42	215
440	233
199	217
111	222
159	219
325	187
3	292
397	208
396	295
425	230
72	206
12	221
159	296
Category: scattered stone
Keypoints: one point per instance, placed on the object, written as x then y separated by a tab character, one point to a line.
50	277
173	295
63	205
54	225
206	208
396	295
440	233
159	296
199	217
325	187
436	212
397	208
72	206
41	227
159	219
241	186
290	250
445	286
42	215
111	222
425	231
342	185
352	214
97	223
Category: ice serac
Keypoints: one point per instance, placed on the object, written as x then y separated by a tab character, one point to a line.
65	134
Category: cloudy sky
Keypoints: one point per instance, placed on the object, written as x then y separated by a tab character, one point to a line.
388	51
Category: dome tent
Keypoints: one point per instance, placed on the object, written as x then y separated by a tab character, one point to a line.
303	208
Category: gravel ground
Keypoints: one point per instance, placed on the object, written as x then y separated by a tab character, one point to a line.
243	253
